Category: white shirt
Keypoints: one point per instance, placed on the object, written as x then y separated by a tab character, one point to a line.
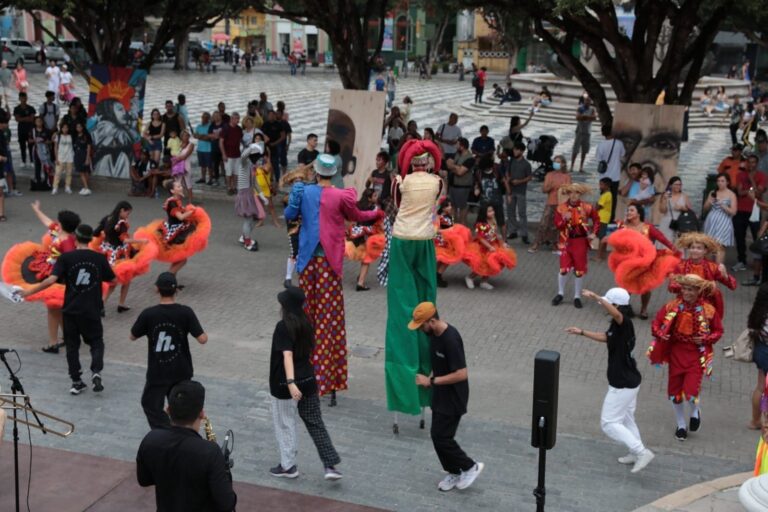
614	164
66	78
53	73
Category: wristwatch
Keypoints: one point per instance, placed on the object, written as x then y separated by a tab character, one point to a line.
432	380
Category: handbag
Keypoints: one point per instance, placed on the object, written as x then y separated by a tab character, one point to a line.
602	165
742	348
687	222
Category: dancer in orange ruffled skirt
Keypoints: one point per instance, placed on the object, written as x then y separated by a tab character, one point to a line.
451	240
365	240
487	255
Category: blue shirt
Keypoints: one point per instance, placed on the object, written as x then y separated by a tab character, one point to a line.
203	146
379	84
305	201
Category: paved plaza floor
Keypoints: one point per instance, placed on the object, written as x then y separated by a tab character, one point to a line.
233	292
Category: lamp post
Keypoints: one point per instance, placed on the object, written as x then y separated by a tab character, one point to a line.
407	36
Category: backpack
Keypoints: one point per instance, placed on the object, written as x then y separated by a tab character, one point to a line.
475	81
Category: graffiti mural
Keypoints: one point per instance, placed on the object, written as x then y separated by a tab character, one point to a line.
115	110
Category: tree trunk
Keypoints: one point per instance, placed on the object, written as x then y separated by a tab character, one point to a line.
438	38
353	66
181	45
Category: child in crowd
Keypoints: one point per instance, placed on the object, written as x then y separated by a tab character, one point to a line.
647	191
451	240
65	159
359	237
488	254
246	204
264	181
174	143
603	207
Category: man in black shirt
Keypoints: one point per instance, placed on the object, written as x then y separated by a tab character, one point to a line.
24	113
169	361
82	272
172	121
275	132
188	472
617	417
450	394
308	155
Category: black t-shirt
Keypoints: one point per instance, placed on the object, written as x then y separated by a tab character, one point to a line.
172	124
306	156
381	182
303	372
24	111
622	368
166	327
82	271
272	129
447	354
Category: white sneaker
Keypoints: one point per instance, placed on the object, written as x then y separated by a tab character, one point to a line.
16	193
85	191
738	267
241	240
54	192
485	285
470	283
468	477
68	190
449	482
643	460
629	458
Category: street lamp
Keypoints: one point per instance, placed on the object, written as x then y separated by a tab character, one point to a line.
407	36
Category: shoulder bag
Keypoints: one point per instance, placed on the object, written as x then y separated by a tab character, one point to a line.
742	348
602	165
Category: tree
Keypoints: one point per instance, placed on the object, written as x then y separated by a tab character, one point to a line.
346	23
667	46
514	30
442	11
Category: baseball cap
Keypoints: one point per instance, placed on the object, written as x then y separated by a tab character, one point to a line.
166	281
617	296
422	313
325	165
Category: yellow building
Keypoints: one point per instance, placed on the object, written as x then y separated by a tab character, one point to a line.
247	30
479	44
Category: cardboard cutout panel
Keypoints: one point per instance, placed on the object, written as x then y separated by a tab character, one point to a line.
652	135
115	111
355	119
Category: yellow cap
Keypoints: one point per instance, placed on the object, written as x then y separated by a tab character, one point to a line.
422	313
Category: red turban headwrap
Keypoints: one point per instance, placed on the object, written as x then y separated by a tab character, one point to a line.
415	147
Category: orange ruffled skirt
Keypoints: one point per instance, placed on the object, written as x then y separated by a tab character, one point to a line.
486	263
192	240
637	265
451	244
139	261
16	271
368	252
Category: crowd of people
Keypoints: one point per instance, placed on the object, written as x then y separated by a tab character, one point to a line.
415	217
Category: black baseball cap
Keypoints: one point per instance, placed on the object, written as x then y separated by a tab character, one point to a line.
166	281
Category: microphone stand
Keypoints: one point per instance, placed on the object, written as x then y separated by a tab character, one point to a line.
18	389
540	492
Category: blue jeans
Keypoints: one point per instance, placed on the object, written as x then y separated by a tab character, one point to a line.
390	98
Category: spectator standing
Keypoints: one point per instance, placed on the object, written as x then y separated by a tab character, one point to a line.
229	144
750	184
380	84
490	187
203	146
671	205
585	114
275	132
736	112
154	133
24	114
391	87
282	117
460	179
217	159
308	155
731	164
65	159
222	109
612	152
5	79
448	136
761	140
43	151
20	77
478	82
483	145
171	120
450	395
556	178
253	114
518	175
721	204
83	157
50	112
53	75
265	107
757	323
183	112
395	130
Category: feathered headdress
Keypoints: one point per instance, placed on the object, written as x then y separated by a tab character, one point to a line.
415	150
576	187
694	281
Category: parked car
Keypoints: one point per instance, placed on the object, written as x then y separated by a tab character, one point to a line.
76	51
24	47
11	54
54	52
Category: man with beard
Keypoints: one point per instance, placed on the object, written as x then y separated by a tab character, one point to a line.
450	394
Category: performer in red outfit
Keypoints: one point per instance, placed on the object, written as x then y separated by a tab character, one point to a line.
699	246
639	267
29	263
451	240
487	255
684	331
578	223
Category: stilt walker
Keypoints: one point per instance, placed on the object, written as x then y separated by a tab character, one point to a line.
412	275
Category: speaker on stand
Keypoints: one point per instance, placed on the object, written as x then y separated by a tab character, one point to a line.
546	371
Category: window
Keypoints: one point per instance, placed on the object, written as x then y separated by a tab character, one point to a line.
401	33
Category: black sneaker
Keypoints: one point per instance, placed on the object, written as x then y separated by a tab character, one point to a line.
287	283
557	300
681	434
201	181
511	236
577	303
78	387
279	472
695	423
96	380
525	240
441	283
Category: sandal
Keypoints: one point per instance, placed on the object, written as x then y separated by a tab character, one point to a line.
643	316
52	349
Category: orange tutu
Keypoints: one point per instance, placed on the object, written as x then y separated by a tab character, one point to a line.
353	252
452	244
188	243
16	272
139	263
486	263
374	246
637	265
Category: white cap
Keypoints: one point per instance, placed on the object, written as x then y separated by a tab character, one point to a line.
617	296
325	165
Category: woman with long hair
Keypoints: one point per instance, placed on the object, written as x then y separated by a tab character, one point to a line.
20	77
721	205
154	134
757	323
671	205
294	390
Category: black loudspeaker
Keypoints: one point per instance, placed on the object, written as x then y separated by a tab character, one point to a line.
546	372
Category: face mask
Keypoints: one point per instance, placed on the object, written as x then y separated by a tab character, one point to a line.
556	166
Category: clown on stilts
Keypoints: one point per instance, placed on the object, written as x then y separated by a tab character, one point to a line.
412	274
684	331
324	210
578	223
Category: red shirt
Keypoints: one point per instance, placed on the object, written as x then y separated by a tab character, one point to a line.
744	202
481	78
231	137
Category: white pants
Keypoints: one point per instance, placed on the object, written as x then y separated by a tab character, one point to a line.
617	419
284	415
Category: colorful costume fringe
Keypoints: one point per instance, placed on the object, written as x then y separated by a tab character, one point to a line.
365	243
573	240
710	271
451	241
481	260
637	265
177	241
17	271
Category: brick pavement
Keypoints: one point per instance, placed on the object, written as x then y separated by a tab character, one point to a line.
233	292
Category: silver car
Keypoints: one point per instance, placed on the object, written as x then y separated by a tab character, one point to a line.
29	50
11	54
54	52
